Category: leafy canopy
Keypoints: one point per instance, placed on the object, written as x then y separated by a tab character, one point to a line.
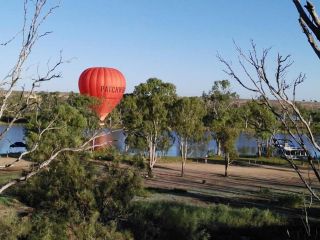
187	116
146	112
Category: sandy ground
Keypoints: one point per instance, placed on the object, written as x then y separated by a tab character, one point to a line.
20	165
209	178
206	182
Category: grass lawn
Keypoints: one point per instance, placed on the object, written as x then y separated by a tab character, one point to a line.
6	176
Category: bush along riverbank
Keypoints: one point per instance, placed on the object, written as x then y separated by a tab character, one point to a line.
172	220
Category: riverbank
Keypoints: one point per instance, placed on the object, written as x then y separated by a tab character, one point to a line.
18	166
265	187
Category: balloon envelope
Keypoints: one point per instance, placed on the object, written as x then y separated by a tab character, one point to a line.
106	84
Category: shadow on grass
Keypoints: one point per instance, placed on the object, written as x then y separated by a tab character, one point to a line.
172	176
174	220
262	204
251	162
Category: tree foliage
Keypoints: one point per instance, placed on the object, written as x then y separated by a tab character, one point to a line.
223	118
227	131
74	198
263	83
67	124
262	123
146	116
187	122
218	101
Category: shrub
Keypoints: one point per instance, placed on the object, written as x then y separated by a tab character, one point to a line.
169	220
11	227
5	200
222	215
51	227
70	198
266	192
290	200
139	161
109	153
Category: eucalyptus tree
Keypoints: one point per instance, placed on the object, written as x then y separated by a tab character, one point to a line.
227	131
262	123
72	194
146	115
258	80
314	121
68	119
218	102
187	120
17	104
34	16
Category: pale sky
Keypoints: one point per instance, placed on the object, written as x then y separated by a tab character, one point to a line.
174	40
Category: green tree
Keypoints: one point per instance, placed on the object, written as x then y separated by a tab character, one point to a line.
187	119
75	199
146	115
72	197
15	105
312	116
218	101
259	81
227	131
66	123
83	104
263	124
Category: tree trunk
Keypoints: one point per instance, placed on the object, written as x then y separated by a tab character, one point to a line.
259	153
183	163
226	164
126	148
183	150
268	150
218	147
152	158
150	171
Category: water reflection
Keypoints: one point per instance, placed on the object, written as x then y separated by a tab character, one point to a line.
15	134
245	144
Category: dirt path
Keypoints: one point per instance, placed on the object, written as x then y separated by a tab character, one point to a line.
245	184
21	165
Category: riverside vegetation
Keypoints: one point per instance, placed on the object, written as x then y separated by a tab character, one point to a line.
68	194
77	198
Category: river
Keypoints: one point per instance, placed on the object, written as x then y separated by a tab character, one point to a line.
15	134
246	145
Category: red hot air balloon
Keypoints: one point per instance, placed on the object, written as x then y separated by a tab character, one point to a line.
106	84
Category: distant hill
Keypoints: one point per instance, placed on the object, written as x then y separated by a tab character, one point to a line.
305	104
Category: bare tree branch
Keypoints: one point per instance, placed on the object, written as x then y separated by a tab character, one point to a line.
35	13
310	24
29	37
11	39
284	94
311	9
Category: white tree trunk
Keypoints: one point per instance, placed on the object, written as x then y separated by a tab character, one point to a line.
152	156
219	151
183	144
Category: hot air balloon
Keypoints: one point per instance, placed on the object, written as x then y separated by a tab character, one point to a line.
106	84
